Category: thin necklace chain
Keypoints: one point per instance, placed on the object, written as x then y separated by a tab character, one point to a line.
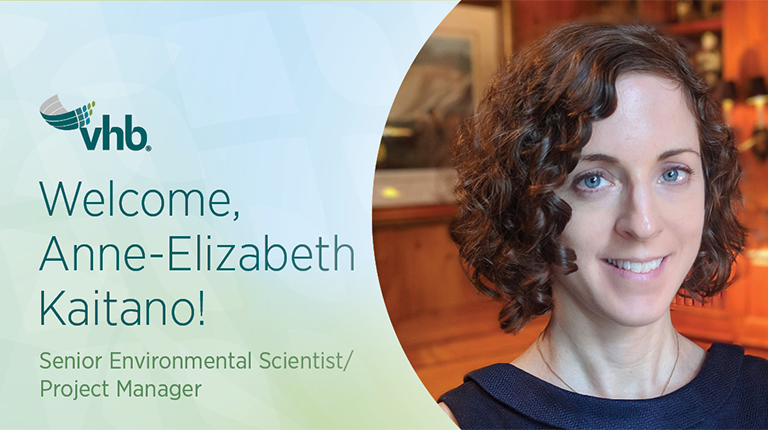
538	347
674	366
677	357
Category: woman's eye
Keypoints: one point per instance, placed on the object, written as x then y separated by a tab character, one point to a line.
593	181
673	175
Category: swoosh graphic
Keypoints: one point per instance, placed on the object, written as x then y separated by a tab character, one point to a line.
59	117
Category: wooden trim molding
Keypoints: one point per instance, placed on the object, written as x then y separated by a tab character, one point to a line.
412	215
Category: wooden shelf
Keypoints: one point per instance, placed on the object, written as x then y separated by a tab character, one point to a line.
694	27
412	214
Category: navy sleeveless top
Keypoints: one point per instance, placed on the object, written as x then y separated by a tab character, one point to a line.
730	391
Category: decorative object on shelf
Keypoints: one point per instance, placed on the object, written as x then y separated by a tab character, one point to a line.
711	8
757	96
686	11
709	62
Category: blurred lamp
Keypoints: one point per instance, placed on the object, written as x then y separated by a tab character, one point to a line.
757	93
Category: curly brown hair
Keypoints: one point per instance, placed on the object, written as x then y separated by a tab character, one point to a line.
527	136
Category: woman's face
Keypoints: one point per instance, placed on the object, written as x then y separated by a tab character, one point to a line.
637	196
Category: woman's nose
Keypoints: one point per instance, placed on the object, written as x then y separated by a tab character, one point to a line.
640	217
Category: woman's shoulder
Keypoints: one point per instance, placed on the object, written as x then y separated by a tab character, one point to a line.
731	359
473	405
756	367
745	404
752	384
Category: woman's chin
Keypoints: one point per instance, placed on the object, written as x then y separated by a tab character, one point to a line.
638	313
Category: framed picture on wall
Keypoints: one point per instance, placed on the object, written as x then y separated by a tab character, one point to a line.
439	92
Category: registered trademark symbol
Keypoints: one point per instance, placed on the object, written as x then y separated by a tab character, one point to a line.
148	148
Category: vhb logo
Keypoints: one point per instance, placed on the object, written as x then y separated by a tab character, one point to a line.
58	117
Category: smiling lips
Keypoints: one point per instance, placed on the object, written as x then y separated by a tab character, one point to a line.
636	266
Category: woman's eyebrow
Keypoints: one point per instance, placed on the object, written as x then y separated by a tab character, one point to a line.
673	152
599	157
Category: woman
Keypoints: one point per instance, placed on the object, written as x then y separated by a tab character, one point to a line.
596	180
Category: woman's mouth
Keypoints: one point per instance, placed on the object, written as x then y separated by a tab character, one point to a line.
636	270
636	266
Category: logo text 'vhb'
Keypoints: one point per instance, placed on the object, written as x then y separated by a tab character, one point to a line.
60	118
124	137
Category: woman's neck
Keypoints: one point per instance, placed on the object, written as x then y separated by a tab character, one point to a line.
608	360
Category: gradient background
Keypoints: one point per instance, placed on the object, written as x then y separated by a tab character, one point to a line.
282	105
